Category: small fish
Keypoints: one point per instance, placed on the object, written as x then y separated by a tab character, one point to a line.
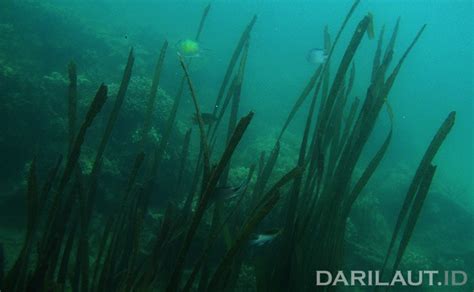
207	118
188	48
263	238
316	56
370	27
228	192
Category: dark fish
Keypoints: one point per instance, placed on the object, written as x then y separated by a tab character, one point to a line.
370	27
227	192
207	118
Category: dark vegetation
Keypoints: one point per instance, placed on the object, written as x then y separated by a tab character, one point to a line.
199	245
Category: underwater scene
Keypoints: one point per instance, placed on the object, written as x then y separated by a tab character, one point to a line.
236	145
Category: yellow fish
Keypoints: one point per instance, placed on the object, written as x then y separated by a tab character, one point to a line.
188	48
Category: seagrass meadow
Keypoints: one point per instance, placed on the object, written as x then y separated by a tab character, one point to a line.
198	146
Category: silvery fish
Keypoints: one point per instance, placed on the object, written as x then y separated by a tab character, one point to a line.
263	238
316	56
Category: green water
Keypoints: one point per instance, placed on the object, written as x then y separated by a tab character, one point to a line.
38	39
